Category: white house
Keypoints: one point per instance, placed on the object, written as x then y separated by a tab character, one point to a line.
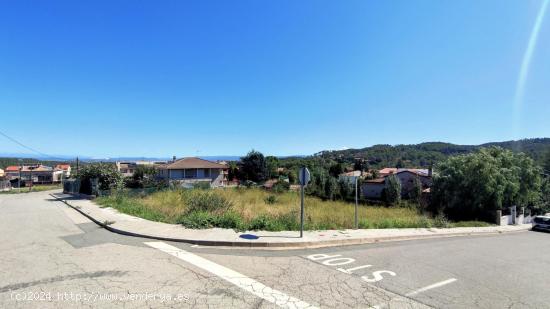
193	170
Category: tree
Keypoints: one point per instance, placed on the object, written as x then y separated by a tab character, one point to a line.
473	186
272	164
544	206
415	192
336	169
360	165
392	190
331	188
107	175
143	176
400	163
254	167
233	171
546	163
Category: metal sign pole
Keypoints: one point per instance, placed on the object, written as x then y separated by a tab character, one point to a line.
356	202
302	203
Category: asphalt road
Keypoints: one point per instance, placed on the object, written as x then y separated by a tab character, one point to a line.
52	257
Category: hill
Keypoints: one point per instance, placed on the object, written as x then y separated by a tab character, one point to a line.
425	154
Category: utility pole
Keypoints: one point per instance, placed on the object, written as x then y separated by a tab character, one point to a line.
77	168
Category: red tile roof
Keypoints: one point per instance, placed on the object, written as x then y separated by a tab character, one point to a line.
12	168
63	166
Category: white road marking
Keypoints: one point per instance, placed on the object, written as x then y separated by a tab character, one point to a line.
233	277
432	286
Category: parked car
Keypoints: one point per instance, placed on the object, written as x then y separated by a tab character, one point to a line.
541	223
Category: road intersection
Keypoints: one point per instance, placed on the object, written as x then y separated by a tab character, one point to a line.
53	257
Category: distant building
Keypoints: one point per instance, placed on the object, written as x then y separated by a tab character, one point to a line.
373	188
350	176
66	168
1	173
127	168
193	170
38	173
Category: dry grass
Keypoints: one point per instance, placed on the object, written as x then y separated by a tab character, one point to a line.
250	206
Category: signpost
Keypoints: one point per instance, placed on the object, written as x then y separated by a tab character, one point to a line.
303	177
356	203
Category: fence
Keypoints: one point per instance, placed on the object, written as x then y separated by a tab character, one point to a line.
71	186
5	185
511	217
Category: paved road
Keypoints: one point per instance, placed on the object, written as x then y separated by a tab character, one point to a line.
50	257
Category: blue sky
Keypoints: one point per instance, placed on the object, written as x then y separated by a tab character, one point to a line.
163	78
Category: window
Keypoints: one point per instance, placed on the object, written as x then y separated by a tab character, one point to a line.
191	173
206	172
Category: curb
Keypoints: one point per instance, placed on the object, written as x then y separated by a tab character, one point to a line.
280	245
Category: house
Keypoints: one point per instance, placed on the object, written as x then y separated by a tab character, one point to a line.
39	173
128	168
350	176
192	170
373	188
66	168
11	172
1	173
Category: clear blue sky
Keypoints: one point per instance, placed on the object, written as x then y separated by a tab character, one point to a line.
163	78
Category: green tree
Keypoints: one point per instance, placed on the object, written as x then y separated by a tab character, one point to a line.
254	167
544	206
392	190
331	188
546	163
336	169
415	192
106	173
360	165
233	171
473	186
272	164
400	163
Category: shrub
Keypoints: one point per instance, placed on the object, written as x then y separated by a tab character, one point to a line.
230	220
202	185
197	220
280	186
440	221
270	199
263	222
211	201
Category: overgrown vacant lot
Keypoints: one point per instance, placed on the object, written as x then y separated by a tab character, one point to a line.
256	209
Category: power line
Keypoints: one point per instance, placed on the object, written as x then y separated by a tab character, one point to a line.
23	145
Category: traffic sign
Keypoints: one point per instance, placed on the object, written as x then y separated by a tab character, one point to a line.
304	176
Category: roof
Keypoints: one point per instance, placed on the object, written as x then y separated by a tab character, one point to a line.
39	168
388	170
63	166
377	180
419	172
12	168
192	162
351	174
392	170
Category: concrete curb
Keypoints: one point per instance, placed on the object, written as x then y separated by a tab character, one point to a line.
281	245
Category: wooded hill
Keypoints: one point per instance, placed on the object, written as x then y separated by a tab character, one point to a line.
425	154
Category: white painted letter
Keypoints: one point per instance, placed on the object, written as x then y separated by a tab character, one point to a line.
378	275
335	262
316	257
351	270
